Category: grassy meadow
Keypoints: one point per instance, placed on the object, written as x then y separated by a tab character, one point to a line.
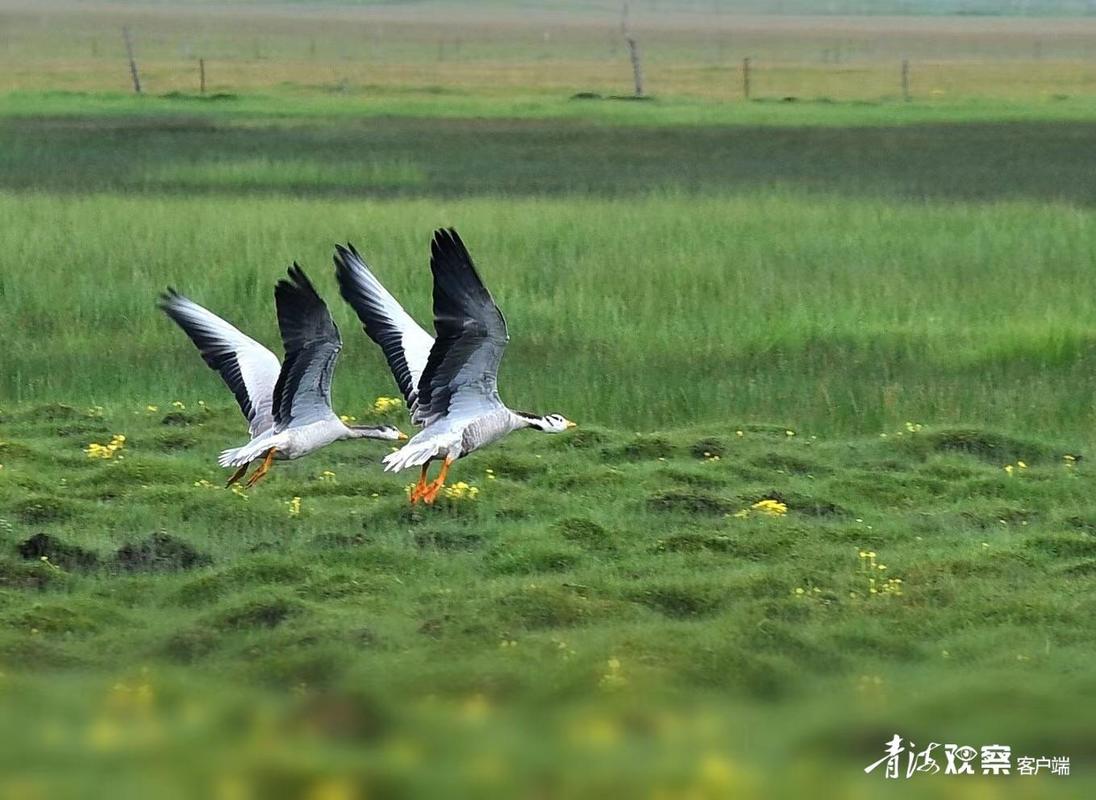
832	359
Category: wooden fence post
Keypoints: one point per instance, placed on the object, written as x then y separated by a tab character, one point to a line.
906	79
746	78
132	61
637	65
201	75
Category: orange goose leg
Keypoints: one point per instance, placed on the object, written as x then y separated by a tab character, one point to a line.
264	468
431	492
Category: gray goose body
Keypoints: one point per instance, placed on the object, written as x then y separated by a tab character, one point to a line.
450	382
288	405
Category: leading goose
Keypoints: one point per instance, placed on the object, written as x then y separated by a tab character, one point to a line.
450	383
284	405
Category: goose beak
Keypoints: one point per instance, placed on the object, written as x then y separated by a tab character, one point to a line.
402	437
572	424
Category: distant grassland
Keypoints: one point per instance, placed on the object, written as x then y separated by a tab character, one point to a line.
483	49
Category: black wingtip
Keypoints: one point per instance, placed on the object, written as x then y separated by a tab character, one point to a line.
447	244
344	255
166	297
298	280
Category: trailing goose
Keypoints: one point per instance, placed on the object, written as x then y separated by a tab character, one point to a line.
450	383
287	406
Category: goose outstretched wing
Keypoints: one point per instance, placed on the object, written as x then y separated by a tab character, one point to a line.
461	375
405	344
312	344
246	367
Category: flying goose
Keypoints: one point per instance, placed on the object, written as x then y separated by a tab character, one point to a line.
450	383
287	406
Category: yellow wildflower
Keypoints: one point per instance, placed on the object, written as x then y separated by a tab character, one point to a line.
294	507
773	508
108	450
385	405
178	405
461	491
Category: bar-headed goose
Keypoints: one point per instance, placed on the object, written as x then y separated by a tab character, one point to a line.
287	406
450	383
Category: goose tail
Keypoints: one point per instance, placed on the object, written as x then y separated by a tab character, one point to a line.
238	456
413	454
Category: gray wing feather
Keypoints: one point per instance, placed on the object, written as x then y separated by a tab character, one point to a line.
461	374
312	343
246	367
406	346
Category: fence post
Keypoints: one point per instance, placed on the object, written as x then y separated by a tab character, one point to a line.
201	75
132	61
906	79
746	78
637	65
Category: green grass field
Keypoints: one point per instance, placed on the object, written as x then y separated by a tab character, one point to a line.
878	316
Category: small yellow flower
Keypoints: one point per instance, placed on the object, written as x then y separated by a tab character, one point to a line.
385	405
327	476
294	507
179	405
347	419
789	433
773	508
461	491
151	409
108	450
1009	469
1021	465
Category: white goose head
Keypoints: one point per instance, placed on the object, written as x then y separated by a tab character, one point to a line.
550	423
387	432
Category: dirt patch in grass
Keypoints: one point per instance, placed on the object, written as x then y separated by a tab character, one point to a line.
66	556
689	502
160	552
993	448
585	533
807	505
266	612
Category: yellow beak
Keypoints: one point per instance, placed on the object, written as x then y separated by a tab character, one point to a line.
402	437
572	424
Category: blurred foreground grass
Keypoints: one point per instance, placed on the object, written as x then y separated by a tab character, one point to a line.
610	613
